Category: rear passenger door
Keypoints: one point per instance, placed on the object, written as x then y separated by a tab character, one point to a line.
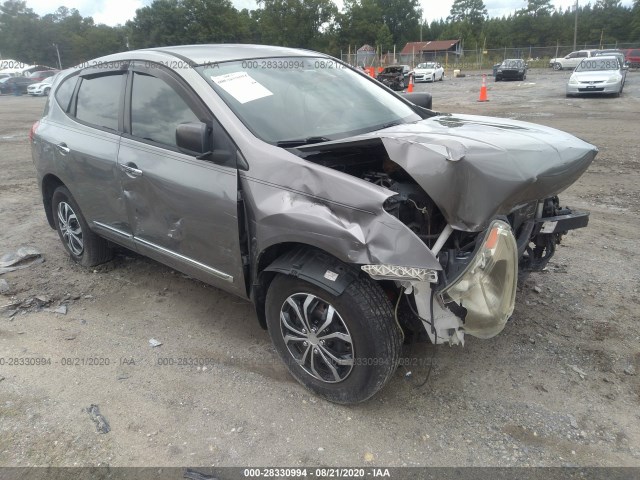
85	143
183	210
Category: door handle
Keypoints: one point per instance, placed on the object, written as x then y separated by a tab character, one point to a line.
131	170
62	148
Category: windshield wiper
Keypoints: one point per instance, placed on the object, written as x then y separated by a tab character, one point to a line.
388	125
302	141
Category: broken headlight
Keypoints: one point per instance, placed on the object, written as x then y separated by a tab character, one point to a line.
486	288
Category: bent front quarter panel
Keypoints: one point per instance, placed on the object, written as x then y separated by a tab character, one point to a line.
292	200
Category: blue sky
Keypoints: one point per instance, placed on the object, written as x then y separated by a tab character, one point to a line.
114	12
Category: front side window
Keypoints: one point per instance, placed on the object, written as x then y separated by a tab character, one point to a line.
157	110
99	100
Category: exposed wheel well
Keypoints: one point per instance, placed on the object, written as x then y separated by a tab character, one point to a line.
49	184
261	278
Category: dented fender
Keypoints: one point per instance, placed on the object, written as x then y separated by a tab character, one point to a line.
360	232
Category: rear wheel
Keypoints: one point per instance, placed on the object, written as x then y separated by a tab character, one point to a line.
343	348
83	246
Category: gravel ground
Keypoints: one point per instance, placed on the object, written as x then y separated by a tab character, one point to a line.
558	387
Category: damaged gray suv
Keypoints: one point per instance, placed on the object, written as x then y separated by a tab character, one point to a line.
352	217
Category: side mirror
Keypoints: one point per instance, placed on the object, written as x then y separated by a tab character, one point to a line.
420	99
193	137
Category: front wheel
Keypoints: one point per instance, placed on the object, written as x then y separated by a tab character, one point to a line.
557	66
83	246
46	92
343	348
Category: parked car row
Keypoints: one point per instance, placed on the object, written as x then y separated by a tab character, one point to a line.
38	83
630	57
15	84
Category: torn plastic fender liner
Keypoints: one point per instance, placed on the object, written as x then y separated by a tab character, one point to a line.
315	267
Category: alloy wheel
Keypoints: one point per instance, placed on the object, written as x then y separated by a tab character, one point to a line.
317	337
70	228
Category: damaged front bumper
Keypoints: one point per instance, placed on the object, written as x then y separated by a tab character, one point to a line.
480	300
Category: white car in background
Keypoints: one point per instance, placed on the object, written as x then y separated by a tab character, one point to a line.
41	88
596	75
428	72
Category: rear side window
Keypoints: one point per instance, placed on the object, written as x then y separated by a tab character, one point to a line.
157	110
99	100
64	92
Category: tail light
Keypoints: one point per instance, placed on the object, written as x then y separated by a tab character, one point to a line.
32	132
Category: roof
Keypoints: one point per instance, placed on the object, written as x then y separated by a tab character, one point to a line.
366	48
431	46
202	54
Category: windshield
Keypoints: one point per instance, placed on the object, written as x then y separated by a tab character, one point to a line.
286	99
598	64
426	65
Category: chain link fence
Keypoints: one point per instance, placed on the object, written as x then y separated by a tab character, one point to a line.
477	58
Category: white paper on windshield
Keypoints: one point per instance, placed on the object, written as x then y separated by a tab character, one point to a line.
241	86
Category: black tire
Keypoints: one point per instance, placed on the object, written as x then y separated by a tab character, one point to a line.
362	311
401	84
82	245
557	66
524	77
46	92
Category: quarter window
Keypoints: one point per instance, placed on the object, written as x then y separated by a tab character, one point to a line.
99	100
64	92
157	110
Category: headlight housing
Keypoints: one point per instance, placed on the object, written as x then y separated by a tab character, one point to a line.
573	81
614	79
487	286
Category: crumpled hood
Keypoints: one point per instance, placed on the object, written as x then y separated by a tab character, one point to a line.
475	167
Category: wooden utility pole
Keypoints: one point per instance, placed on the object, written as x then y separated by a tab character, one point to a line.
575	28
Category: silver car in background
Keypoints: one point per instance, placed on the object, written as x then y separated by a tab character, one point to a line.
596	75
351	217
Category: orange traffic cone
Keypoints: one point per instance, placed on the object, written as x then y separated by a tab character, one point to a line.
410	87
483	90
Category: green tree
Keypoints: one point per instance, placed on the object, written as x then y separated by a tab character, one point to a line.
384	39
472	11
296	23
538	8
